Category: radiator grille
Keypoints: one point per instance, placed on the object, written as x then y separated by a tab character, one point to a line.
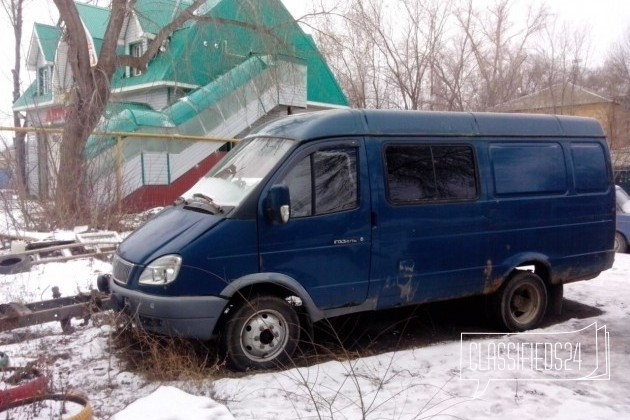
121	270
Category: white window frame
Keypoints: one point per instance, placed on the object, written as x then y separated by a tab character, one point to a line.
136	49
44	80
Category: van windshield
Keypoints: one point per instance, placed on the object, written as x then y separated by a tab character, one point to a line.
231	180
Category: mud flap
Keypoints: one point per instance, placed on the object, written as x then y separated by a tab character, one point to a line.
555	297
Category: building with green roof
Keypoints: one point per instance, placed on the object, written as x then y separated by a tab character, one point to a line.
223	73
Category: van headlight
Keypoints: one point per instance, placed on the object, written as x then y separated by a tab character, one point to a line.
161	271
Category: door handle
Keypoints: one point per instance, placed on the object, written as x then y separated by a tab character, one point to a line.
374	219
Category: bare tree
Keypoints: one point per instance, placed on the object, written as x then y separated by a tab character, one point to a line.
453	69
408	44
90	93
13	10
617	68
447	55
559	62
613	80
346	41
383	52
500	48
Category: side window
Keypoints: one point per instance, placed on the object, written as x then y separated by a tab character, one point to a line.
589	163
324	182
417	173
528	168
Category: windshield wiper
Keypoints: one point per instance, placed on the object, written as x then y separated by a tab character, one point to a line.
208	200
200	201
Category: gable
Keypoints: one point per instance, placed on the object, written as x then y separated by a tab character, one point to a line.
43	45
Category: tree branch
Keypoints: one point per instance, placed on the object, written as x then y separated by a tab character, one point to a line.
154	46
76	39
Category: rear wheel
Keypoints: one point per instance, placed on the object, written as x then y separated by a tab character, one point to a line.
261	334
621	245
520	304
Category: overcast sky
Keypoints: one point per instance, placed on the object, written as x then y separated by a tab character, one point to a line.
606	21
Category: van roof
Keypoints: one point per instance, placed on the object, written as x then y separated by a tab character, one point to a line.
353	122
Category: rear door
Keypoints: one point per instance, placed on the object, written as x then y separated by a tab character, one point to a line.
431	225
326	244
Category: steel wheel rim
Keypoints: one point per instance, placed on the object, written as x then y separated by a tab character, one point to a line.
525	304
264	335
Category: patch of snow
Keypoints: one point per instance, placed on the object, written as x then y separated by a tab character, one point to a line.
168	402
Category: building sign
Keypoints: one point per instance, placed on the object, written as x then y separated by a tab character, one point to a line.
55	116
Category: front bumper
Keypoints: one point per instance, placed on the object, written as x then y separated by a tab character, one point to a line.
182	316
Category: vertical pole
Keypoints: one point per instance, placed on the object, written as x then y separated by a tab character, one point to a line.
119	176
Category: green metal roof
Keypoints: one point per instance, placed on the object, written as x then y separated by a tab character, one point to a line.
133	117
289	40
204	51
48	40
154	15
94	18
210	94
126	117
30	98
114	108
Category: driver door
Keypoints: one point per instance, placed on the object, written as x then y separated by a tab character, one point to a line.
326	243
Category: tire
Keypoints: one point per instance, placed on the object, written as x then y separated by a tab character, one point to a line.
13	264
86	412
621	245
521	302
261	334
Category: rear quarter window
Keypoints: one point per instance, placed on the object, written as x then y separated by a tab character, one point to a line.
528	168
589	165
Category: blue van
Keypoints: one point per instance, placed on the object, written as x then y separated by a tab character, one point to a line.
324	214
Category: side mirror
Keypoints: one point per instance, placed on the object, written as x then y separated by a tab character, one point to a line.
277	204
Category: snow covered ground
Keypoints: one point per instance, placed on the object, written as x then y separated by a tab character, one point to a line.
431	381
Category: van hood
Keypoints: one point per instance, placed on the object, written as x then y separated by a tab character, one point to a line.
166	233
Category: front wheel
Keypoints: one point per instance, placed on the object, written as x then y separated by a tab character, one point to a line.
520	304
261	334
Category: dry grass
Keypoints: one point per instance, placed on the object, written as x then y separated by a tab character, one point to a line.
159	358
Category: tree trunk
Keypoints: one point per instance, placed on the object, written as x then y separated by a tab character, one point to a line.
71	201
88	98
14	10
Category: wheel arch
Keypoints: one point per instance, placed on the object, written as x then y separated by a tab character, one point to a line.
537	263
275	284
